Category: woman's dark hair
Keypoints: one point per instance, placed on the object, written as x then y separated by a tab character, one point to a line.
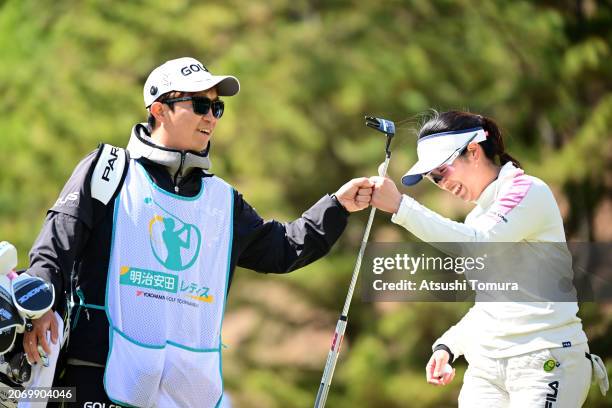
457	120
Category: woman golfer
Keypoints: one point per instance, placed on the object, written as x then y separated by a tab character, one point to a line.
520	354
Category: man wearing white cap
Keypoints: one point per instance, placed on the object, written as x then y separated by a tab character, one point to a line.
153	238
520	354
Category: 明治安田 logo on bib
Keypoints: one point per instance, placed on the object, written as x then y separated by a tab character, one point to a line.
175	243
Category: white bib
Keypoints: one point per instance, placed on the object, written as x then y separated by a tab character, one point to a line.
165	294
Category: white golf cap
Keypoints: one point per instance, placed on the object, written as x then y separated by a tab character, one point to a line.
439	148
186	75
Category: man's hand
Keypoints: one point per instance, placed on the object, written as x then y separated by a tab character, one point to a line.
435	369
356	194
386	196
38	335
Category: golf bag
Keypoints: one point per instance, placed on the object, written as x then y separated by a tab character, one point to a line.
22	298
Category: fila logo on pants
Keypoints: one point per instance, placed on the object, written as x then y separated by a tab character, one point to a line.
550	398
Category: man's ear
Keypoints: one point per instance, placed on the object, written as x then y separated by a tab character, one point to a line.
158	112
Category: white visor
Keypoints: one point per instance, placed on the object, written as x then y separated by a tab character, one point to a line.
437	149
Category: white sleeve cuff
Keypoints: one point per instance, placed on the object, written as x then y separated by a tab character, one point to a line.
403	212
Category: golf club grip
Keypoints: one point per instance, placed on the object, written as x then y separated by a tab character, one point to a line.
330	364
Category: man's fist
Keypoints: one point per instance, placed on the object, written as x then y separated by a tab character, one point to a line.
356	194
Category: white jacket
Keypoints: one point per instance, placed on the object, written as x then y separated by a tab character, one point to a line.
513	208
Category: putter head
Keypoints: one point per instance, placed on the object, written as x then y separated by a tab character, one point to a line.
382	125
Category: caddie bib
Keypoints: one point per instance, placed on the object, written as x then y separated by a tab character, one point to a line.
165	293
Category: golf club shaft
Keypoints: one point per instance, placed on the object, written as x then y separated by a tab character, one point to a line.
334	352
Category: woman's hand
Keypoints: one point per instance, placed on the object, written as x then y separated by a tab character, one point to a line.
438	371
386	196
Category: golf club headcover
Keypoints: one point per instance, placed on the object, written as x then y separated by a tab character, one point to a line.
32	296
8	257
10	320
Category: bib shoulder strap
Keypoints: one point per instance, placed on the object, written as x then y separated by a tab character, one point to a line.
109	173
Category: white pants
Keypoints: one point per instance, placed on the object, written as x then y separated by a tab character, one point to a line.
552	378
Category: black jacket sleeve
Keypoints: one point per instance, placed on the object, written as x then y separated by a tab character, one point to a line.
271	246
65	231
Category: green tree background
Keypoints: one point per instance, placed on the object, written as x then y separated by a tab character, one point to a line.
71	75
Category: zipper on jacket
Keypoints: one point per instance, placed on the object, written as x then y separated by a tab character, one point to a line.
176	187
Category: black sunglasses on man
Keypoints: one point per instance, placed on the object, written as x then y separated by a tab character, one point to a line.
201	105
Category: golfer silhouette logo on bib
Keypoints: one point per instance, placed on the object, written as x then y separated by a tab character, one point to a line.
175	244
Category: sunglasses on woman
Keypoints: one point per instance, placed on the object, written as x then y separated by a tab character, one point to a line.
437	178
201	105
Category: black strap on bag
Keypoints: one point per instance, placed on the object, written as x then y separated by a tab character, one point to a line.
107	178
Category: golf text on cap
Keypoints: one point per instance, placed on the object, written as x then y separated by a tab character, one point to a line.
188	70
